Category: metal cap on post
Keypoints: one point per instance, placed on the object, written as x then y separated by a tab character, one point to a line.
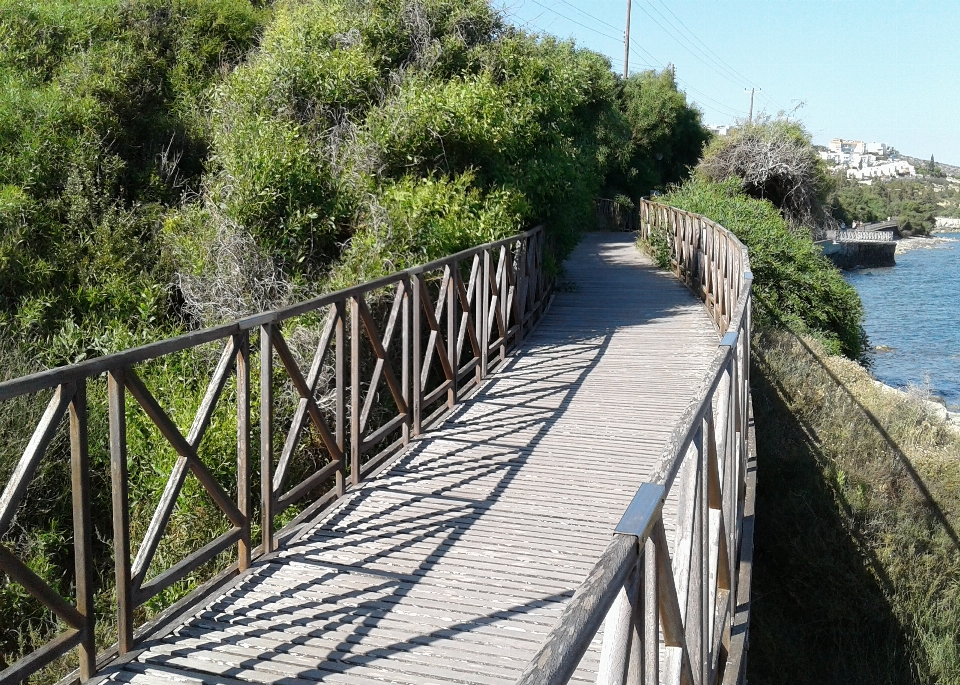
621	656
640	516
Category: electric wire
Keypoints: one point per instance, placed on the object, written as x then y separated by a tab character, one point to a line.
718	66
724	109
688	46
574	21
751	84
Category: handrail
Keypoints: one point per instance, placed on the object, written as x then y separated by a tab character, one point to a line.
624	218
686	598
430	334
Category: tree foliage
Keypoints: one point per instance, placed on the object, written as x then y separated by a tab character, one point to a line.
666	135
349	106
774	160
914	202
173	163
101	129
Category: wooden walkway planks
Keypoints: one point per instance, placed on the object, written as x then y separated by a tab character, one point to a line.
454	564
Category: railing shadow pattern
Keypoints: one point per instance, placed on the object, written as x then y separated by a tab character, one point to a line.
429	335
687	603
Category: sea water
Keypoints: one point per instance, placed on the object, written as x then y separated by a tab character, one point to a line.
913	309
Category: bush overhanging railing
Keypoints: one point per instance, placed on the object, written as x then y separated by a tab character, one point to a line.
685	599
448	323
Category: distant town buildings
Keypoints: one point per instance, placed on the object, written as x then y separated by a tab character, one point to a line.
848	146
866	161
887	170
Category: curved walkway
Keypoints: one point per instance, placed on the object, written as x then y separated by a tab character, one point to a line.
453	564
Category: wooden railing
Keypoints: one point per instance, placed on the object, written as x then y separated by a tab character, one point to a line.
623	218
443	327
683	598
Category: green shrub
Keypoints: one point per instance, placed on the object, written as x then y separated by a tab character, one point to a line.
666	136
101	128
347	102
772	159
418	220
794	285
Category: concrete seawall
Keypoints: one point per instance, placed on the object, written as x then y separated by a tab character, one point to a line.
853	255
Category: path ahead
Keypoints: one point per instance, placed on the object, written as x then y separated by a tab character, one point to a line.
453	565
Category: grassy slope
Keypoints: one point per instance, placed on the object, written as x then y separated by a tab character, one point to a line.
858	503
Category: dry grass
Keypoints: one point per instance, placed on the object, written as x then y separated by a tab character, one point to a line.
857	578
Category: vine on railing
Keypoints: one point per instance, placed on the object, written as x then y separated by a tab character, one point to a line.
684	598
429	334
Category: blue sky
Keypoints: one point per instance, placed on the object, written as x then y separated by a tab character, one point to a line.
875	70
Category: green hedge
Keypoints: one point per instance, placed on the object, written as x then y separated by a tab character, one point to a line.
794	285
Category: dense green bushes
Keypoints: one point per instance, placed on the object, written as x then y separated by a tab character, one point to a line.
772	159
794	285
167	164
666	136
366	124
915	203
101	128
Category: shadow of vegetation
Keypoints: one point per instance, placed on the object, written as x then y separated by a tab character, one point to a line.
820	614
823	607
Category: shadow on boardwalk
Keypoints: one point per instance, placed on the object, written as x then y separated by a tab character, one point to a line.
453	564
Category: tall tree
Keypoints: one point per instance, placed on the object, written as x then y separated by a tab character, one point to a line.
667	135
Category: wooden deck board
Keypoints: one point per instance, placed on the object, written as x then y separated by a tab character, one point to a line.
454	564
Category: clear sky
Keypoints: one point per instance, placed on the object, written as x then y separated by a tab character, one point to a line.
872	70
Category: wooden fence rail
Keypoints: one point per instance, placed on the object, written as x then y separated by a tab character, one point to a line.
447	325
622	217
686	600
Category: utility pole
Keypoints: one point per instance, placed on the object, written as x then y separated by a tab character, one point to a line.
626	46
751	104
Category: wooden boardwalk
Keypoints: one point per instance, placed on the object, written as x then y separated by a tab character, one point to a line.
453	565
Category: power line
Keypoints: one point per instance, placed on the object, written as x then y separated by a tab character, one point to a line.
726	109
688	45
766	97
592	16
574	21
707	47
723	108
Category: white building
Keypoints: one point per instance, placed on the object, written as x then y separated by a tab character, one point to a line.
841	158
888	170
720	129
878	149
849	146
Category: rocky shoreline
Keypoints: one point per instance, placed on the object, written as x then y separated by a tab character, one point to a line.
923	243
938	409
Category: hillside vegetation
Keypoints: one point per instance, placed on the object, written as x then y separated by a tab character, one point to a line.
101	130
856	571
170	164
914	202
857	555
